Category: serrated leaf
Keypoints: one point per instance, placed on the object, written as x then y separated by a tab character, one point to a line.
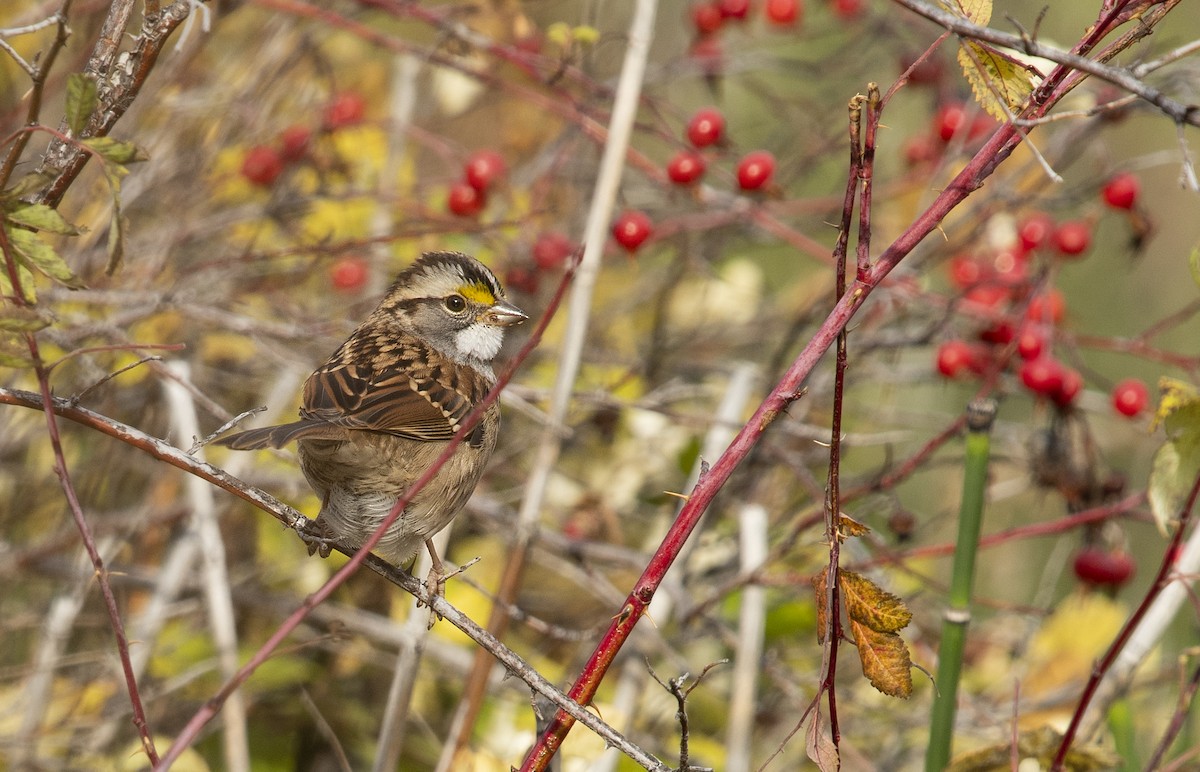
820	585
975	11
20	319
42	218
115	150
81	101
25	276
870	605
885	660
30	183
37	254
996	78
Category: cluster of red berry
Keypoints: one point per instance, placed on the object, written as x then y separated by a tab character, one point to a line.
705	129
263	164
709	16
482	171
549	253
998	286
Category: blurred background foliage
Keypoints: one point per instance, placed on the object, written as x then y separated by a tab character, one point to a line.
260	265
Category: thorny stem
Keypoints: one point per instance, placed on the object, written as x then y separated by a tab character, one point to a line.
1161	580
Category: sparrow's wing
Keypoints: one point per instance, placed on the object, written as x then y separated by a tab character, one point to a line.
403	389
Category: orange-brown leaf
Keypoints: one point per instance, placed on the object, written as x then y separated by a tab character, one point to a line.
871	605
820	584
819	745
885	660
848	526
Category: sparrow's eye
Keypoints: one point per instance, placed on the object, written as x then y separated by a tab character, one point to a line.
455	304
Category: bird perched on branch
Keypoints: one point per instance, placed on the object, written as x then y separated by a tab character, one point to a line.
377	415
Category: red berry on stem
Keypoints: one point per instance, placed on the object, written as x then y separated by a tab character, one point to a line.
706	127
1034	230
521	279
707	17
965	271
349	273
1043	376
848	9
1068	390
1047	307
956	356
734	9
631	229
1121	191
1098	566
345	109
294	142
1073	238
1130	397
783	12
483	168
465	200
949	120
551	250
1030	343
686	167
755	169
1000	334
262	165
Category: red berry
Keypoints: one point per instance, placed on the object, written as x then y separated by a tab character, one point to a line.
1043	376
1073	238
483	168
1130	397
686	167
734	9
921	149
949	120
707	17
956	356
1034	230
1121	191
783	12
521	279
1046	308
631	229
988	295
1000	334
294	142
551	250
1030	343
965	271
262	165
1098	566
345	109
755	169
349	273
464	200
706	127
848	9
1068	390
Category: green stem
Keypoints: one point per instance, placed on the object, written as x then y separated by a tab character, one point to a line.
980	414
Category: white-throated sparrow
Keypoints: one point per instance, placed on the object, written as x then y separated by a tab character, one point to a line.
383	408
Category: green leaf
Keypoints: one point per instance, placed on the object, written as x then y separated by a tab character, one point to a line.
116	242
42	218
996	78
1177	462
25	276
21	319
115	150
9	359
30	183
36	253
81	101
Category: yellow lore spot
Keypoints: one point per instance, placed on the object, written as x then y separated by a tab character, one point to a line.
477	292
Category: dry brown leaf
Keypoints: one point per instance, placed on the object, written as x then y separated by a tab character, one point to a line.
819	745
820	584
885	660
871	605
848	526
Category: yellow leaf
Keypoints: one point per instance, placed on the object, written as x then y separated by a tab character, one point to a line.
848	526
976	11
868	604
1177	395
996	78
885	660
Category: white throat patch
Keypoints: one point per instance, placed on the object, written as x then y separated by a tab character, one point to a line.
480	341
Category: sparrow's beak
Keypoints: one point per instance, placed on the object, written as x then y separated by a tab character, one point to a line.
504	314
